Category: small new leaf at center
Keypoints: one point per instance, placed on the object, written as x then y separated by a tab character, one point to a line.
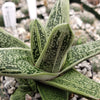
53	55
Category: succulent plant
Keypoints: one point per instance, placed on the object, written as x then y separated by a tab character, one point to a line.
76	7
95	62
80	40
87	17
48	64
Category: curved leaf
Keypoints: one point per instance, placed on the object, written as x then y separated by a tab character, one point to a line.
53	55
77	83
52	93
59	14
7	40
20	94
38	39
81	52
17	62
25	87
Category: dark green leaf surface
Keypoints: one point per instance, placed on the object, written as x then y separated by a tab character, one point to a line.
51	93
17	62
53	56
77	83
38	39
20	94
81	52
25	87
7	40
58	15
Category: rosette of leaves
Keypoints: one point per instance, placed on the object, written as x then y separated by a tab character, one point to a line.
48	64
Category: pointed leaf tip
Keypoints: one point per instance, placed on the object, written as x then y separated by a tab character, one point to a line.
59	14
53	55
38	39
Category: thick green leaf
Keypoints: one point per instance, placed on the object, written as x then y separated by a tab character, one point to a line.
28	83
53	55
25	87
20	93
10	57
52	93
17	62
58	15
38	39
81	52
7	40
77	83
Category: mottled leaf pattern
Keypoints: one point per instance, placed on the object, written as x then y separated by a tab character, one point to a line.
77	83
10	57
38	39
53	55
17	62
7	40
59	14
81	52
52	93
